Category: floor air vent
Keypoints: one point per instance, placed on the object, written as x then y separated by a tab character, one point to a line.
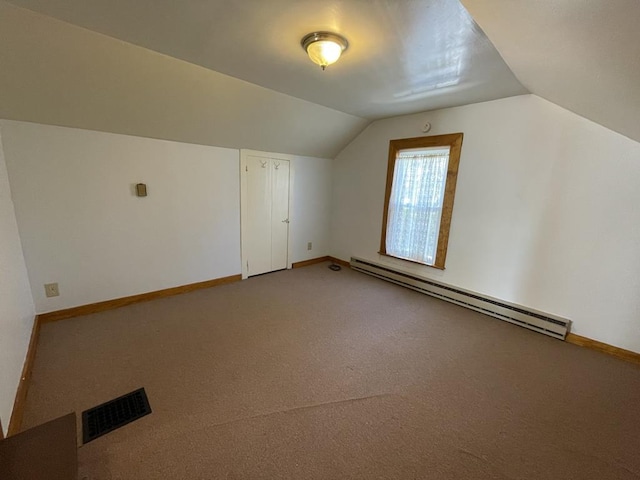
114	414
548	324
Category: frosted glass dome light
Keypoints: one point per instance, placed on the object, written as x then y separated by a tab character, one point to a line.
324	48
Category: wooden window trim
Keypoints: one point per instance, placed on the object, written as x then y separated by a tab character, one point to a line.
454	142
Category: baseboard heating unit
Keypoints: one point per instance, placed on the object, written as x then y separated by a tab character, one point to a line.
548	324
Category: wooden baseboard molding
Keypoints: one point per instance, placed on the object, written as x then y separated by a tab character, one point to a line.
343	263
143	297
627	355
15	424
313	261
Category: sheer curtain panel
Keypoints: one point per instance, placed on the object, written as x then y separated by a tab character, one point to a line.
415	205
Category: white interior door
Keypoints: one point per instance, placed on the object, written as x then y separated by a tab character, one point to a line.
279	213
266	184
258	215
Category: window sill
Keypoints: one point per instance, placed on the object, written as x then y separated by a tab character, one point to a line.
437	267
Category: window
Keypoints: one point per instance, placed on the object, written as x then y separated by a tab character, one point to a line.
421	185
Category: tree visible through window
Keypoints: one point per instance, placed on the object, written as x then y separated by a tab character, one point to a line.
421	182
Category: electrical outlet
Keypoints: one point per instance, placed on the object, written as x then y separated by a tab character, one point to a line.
51	289
309	246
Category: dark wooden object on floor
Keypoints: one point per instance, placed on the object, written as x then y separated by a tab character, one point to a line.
48	451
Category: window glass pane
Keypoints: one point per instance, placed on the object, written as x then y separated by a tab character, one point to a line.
415	205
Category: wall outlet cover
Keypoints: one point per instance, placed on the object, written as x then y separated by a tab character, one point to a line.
51	289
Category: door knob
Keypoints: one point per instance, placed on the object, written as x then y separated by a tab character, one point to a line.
286	220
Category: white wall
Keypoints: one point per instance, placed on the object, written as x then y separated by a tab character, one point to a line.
546	210
311	205
82	225
16	305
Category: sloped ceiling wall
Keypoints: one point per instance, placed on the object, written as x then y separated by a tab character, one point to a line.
581	55
403	56
55	73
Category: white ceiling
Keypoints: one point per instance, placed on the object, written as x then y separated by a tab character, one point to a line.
583	55
404	56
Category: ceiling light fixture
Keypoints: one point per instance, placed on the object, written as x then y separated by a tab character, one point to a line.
324	48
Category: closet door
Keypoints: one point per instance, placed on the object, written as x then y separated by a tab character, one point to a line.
257	238
265	187
279	213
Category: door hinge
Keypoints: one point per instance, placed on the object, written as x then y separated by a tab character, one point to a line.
246	168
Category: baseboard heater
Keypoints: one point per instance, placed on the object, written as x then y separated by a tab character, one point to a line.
548	324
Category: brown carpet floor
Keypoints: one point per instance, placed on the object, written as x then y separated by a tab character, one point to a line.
314	374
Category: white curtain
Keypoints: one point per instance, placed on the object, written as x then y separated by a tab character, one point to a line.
415	206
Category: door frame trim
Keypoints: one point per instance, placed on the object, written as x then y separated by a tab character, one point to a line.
244	153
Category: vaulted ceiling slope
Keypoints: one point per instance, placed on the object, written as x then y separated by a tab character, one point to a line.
581	55
55	73
404	56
